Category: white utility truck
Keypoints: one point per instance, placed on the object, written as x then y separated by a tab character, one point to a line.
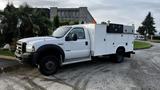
76	43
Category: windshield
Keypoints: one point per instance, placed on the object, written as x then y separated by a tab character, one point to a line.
60	32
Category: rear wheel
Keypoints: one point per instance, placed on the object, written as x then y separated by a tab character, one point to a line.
48	65
119	56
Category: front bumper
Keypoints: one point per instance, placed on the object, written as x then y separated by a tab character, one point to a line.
25	57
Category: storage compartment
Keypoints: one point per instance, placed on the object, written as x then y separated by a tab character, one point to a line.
115	28
128	29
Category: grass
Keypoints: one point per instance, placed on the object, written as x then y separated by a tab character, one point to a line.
141	45
6	53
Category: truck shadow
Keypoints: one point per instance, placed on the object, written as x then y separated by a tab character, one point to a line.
79	75
89	64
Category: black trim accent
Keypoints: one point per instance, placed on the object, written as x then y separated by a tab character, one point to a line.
86	43
67	38
48	49
115	28
128	54
25	57
24	47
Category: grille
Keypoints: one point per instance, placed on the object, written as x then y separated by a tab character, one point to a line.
20	48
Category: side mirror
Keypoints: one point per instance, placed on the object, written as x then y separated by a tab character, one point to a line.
74	37
67	38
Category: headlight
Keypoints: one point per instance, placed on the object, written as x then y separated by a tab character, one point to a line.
30	48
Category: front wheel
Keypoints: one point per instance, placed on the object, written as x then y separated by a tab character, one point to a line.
48	65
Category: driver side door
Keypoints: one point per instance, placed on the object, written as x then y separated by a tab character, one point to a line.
79	48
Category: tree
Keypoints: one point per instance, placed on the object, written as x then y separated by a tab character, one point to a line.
72	22
23	22
34	21
82	22
148	24
147	27
26	26
9	23
141	30
42	23
1	35
56	22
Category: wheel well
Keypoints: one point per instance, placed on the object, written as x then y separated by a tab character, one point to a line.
50	50
120	48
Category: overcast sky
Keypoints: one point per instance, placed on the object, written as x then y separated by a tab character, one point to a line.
117	11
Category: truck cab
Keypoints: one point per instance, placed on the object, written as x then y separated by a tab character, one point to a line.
73	44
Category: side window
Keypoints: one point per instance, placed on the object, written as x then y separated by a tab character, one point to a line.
79	32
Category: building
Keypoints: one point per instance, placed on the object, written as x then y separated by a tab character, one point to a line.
46	11
81	14
139	37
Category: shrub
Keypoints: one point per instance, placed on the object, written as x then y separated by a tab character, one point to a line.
156	37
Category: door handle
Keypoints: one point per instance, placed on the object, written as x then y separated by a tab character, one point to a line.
86	43
68	50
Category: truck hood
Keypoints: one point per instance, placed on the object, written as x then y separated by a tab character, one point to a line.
33	39
40	41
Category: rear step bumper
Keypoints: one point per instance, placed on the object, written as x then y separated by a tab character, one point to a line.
128	54
132	52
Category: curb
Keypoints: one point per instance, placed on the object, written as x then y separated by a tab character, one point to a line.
10	68
143	48
14	68
155	41
7	57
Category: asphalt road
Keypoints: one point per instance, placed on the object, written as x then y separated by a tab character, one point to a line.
141	72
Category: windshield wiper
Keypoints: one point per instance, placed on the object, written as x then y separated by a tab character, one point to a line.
55	37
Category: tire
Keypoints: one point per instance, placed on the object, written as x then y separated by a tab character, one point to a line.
48	65
119	56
